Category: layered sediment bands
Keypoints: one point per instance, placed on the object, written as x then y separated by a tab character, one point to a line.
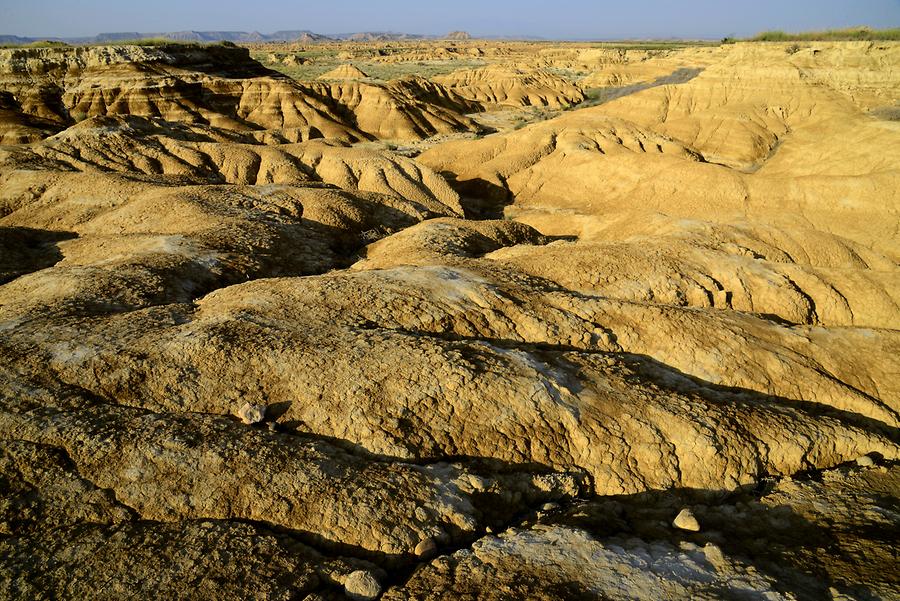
49	89
124	244
807	165
202	154
740	272
345	71
410	109
514	87
248	350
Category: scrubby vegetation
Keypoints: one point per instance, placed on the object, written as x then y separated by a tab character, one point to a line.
38	44
654	44
830	35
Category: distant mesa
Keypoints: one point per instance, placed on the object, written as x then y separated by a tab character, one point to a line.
345	71
458	35
302	36
212	36
240	37
378	36
15	39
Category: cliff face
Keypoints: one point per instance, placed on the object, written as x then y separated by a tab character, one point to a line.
48	89
513	87
217	85
63	61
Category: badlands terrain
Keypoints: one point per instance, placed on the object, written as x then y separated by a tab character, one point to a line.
450	320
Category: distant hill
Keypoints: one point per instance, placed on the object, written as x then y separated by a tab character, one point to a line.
292	35
298	36
345	72
378	36
180	36
217	36
458	35
14	39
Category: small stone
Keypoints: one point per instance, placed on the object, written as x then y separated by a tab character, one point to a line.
426	548
252	414
685	520
476	483
549	506
362	586
714	555
865	461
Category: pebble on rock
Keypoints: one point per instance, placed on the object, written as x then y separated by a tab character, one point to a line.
865	461
362	586
685	520
426	548
252	414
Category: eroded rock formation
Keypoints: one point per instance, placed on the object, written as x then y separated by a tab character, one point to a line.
644	349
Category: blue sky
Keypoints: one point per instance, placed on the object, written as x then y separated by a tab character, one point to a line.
560	19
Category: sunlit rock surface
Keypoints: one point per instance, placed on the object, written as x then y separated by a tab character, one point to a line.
470	334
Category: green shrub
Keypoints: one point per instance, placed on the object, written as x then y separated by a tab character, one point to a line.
47	44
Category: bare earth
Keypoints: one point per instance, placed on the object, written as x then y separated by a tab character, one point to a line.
450	320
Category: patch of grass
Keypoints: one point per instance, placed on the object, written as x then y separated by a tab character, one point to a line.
47	44
38	44
306	72
830	35
325	53
426	69
319	61
654	44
